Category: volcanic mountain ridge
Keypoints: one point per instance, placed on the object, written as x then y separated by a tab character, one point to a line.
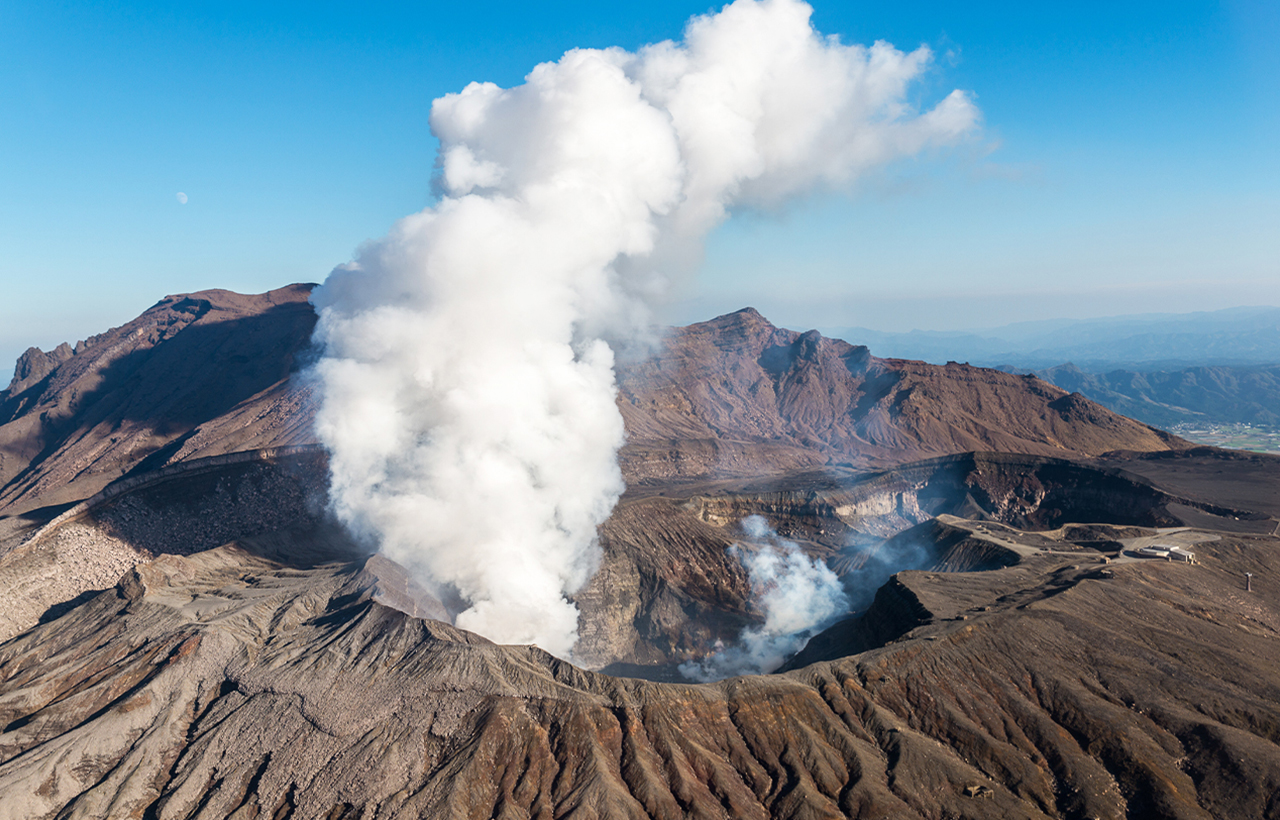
191	637
216	372
756	419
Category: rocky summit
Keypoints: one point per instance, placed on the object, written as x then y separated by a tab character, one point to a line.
187	635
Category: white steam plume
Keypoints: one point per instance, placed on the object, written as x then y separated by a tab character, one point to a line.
798	595
467	377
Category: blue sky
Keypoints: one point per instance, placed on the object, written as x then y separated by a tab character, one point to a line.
1127	162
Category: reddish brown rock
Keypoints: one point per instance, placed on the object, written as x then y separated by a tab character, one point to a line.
209	366
252	681
736	396
210	373
283	674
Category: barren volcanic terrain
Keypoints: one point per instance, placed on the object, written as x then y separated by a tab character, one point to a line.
186	633
216	372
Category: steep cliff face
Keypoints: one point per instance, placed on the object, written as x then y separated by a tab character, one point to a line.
34	365
838	509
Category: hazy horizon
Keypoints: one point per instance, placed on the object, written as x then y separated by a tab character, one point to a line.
1125	162
10	356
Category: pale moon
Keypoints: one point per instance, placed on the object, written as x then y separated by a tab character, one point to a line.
182	198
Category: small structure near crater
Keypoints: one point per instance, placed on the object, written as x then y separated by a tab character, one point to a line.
1168	552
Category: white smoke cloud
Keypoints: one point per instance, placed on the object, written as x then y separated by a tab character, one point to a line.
873	566
467	378
798	595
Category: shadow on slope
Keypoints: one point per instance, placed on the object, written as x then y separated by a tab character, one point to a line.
138	389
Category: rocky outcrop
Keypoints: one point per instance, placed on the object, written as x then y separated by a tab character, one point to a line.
33	365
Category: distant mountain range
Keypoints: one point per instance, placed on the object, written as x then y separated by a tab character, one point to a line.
1165	369
1194	394
1142	342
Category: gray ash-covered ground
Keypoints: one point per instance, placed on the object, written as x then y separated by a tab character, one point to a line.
177	511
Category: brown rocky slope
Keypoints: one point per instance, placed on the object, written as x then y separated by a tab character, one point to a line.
667	589
264	679
738	396
214	372
136	395
282	674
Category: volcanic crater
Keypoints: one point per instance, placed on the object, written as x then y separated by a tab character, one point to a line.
187	633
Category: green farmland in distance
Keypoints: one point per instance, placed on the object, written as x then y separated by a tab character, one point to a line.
1260	438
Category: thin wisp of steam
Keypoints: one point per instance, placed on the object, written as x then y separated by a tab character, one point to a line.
467	385
875	565
798	595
